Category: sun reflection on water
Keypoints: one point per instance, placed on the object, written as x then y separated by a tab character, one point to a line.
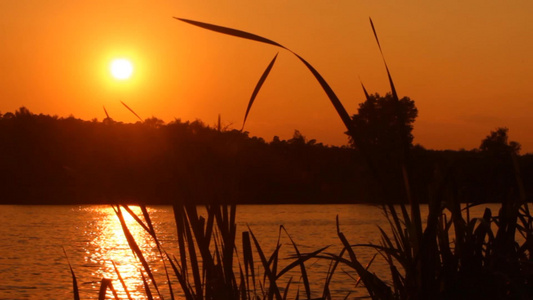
108	244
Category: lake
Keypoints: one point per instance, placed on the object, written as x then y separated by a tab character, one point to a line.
33	264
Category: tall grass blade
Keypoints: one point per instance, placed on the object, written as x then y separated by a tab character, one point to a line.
258	87
248	257
180	274
341	111
393	89
75	289
286	291
134	247
131	110
367	96
193	259
376	287
146	287
121	281
301	259
366	268
231	31
300	262
387	241
104	285
266	266
415	210
150	229
146	216
106	114
401	237
326	293
179	217
139	221
274	258
244	293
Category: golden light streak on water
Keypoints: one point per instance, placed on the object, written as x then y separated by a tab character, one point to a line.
110	244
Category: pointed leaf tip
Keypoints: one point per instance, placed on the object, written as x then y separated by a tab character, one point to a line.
393	88
258	87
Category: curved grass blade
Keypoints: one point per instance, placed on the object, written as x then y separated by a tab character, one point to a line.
121	281
74	280
393	89
345	117
257	88
301	259
231	31
341	111
132	111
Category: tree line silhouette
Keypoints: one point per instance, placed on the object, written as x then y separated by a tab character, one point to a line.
49	160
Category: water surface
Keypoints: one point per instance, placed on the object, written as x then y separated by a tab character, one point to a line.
33	265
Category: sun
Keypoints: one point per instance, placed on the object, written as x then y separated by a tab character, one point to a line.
121	68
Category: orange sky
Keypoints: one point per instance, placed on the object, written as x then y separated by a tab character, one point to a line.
468	65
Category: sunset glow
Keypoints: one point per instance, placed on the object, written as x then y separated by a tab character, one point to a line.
141	142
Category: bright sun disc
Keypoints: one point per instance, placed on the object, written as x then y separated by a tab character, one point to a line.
121	69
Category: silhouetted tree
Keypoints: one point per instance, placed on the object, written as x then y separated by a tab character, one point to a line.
499	171
383	124
382	130
497	142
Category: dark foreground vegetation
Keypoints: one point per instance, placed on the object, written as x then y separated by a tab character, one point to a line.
51	160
